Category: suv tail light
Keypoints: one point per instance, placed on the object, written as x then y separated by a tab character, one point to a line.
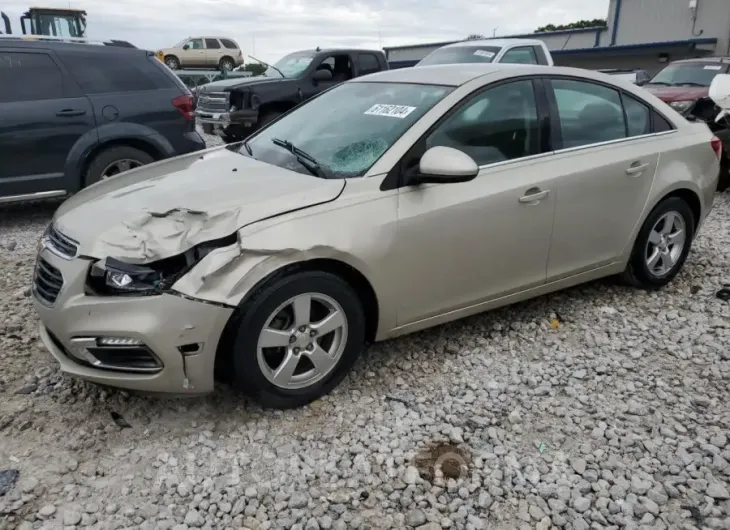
186	105
716	144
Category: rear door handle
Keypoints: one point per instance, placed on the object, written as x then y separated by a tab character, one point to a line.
636	169
69	113
533	196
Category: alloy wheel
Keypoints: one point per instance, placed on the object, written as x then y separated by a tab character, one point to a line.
302	341
119	166
665	243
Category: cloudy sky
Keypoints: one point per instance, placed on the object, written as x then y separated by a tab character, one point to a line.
270	28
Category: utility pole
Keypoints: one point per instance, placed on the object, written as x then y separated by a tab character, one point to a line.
494	31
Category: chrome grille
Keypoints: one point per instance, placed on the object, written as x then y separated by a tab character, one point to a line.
62	244
47	281
213	101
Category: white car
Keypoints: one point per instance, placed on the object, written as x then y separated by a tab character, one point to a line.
515	51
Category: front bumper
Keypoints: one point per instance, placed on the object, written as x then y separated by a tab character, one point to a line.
246	118
182	334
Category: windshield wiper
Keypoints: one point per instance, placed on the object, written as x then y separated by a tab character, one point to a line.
268	65
689	83
248	149
304	158
658	83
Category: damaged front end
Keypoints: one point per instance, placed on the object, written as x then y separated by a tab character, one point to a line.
113	277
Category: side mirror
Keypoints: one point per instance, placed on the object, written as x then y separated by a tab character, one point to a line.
444	165
186	47
720	94
322	75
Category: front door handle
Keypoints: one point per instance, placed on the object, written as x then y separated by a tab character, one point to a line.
636	169
533	196
69	113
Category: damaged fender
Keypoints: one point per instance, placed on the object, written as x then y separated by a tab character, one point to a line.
358	230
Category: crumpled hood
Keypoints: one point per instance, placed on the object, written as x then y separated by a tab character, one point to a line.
168	207
678	93
235	82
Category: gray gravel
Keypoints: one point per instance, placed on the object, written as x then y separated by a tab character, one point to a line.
617	418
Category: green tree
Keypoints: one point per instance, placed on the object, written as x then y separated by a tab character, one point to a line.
255	68
580	24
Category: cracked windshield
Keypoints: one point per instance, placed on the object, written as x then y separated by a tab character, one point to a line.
345	130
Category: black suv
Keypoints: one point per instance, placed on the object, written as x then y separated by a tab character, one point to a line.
74	113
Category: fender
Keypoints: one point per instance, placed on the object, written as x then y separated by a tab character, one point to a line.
108	133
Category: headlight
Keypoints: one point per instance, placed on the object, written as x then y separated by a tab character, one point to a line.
682	106
111	276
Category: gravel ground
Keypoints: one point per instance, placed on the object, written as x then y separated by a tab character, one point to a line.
598	407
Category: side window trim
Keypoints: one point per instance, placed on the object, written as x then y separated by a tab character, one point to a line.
556	132
540	54
394	178
621	98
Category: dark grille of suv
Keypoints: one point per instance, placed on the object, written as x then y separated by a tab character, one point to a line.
47	281
64	245
213	101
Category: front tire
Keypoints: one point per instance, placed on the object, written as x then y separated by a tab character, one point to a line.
662	245
226	64
172	62
297	338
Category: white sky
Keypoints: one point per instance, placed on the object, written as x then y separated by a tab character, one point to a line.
269	29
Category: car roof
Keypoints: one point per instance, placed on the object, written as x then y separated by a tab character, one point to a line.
501	43
724	60
72	47
459	74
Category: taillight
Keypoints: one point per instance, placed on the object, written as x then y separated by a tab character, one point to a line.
716	144
185	105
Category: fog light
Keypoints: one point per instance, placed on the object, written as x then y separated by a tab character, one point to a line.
118	341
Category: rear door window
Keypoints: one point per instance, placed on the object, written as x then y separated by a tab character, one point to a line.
638	116
228	43
29	77
212	44
368	63
103	73
589	113
520	55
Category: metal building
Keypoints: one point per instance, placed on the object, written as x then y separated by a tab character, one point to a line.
639	34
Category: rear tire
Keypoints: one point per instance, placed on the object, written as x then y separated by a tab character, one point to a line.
124	157
318	359
662	246
226	64
208	128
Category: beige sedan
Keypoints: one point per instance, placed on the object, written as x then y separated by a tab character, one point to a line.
385	205
202	52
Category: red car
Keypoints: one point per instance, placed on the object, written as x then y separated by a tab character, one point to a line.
684	85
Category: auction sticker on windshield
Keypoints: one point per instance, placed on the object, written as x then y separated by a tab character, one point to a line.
392	111
712	67
484	53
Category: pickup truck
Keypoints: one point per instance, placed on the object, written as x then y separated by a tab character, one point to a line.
518	51
235	108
